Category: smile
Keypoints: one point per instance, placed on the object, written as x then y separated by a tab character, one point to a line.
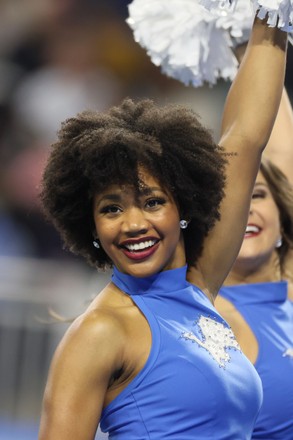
139	250
140	246
251	231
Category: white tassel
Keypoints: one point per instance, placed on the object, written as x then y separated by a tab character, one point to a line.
184	39
190	43
279	12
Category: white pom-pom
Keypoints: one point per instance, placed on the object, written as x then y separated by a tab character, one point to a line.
194	44
280	13
277	12
188	42
237	21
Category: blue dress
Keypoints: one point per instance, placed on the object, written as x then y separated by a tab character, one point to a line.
269	314
196	383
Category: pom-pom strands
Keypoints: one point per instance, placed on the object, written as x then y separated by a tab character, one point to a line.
193	44
190	43
278	12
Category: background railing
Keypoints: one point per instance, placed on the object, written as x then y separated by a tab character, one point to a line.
29	336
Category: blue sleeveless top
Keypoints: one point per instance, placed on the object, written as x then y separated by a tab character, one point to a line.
269	314
196	383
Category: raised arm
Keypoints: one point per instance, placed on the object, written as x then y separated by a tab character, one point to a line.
254	97
249	114
280	146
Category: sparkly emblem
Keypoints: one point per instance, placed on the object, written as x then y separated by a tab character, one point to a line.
216	339
288	352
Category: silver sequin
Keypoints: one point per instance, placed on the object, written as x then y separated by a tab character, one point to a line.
216	339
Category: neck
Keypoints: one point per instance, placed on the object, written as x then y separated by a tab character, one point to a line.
248	272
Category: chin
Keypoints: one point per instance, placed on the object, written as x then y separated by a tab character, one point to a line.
248	251
246	258
138	270
141	273
145	269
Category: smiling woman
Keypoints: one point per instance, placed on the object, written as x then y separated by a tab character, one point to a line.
113	148
255	297
263	232
146	190
134	225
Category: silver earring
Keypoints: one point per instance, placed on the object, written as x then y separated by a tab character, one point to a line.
279	242
183	224
96	243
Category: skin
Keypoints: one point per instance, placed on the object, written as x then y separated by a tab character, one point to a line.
258	260
279	149
122	219
108	345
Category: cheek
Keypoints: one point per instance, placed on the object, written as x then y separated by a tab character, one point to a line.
274	219
170	216
105	231
172	225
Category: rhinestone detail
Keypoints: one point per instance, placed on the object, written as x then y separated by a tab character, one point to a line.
216	339
288	352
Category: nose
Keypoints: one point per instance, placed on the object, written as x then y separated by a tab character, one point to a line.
134	222
251	208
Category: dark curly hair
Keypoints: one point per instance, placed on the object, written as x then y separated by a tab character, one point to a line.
95	150
282	193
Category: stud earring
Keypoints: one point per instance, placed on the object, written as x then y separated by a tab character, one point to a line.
96	243
183	224
279	242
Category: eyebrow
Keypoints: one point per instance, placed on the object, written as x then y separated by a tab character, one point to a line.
110	198
258	184
148	190
116	197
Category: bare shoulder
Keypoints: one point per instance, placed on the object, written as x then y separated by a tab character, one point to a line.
93	346
88	356
100	327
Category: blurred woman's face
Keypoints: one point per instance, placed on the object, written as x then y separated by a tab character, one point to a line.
263	228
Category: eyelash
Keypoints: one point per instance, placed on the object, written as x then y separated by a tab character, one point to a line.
259	195
158	200
114	209
108	209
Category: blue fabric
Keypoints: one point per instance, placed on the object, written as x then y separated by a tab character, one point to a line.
193	386
265	308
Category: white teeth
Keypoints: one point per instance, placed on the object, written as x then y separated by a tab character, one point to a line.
140	246
251	229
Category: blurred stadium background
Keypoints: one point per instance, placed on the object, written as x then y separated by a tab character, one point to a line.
58	57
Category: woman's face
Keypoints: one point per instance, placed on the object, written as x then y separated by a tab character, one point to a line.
139	232
263	227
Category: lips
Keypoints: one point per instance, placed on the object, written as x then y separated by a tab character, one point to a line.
252	231
139	249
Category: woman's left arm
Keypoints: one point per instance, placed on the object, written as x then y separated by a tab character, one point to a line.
249	114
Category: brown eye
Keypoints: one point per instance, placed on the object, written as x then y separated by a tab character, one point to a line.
259	195
110	209
154	202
